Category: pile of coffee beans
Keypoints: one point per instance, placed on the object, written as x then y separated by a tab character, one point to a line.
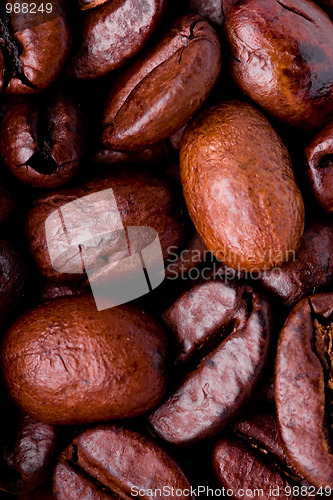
209	126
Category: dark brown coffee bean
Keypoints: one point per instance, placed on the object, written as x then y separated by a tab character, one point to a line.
211	395
310	269
319	157
173	80
90	4
142	200
304	388
33	45
54	290
13	278
113	462
112	33
27	450
76	364
239	187
43	141
282	57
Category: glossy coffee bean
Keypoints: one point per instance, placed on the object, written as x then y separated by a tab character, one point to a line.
303	388
319	157
282	57
77	365
53	290
229	329
112	33
142	200
173	80
27	451
239	187
253	460
34	46
114	462
43	140
13	278
90	4
308	271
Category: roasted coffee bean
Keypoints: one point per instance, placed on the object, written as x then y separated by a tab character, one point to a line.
142	200
239	187
304	388
161	151
54	290
230	327
112	33
13	279
310	270
114	462
319	157
27	450
34	46
253	460
43	141
76	364
173	80
282	57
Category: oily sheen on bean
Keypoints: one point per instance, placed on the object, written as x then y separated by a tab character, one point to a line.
64	362
239	187
108	461
282	57
304	388
165	87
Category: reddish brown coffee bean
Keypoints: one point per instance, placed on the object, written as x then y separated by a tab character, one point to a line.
160	152
142	200
319	157
282	57
43	140
13	278
54	290
173	79
113	462
211	395
310	270
239	187
112	33
76	365
303	388
33	46
27	450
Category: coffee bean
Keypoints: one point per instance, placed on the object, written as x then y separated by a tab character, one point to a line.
309	271
43	141
79	365
244	201
303	388
144	201
319	157
235	328
282	57
114	462
173	80
112	33
34	47
27	450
